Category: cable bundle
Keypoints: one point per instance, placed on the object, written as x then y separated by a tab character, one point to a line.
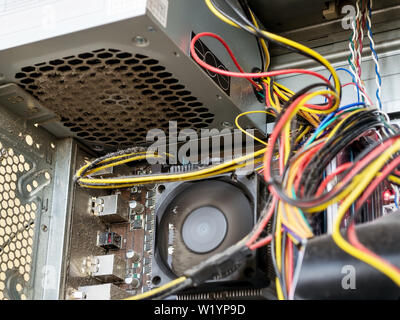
307	137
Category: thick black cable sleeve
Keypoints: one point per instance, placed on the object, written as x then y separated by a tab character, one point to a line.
219	264
246	10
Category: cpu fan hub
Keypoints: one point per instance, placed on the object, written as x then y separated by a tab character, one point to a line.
204	229
199	219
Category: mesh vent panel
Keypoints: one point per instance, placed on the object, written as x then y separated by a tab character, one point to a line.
16	224
112	97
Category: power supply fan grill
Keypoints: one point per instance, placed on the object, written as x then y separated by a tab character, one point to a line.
109	97
202	219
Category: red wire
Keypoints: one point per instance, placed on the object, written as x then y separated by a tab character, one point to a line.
303	163
328	179
352	236
273	138
374	153
361	89
351	231
263	223
242	74
209	67
289	263
374	184
349	84
261	243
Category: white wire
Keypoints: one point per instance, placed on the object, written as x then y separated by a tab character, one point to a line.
297	271
378	84
354	53
359	24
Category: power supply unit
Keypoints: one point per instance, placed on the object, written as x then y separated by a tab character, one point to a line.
107	71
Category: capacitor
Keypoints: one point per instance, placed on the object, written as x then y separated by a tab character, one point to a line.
134	282
133	255
136	206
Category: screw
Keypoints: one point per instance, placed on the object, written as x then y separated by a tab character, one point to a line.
44	228
226	124
98	148
140	41
3	153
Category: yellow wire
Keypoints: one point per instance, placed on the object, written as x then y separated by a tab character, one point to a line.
293	223
368	174
153	292
203	176
285	41
394	179
286	134
279	289
263	43
281	86
280	93
332	133
306	130
168	177
248	133
119	163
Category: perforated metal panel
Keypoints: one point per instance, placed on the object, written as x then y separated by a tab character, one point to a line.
25	194
16	222
112	97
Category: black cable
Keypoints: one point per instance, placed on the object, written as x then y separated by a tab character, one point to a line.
304	203
246	10
360	209
365	121
258	32
171	291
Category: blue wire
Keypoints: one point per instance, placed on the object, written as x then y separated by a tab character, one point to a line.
376	56
354	80
331	115
329	118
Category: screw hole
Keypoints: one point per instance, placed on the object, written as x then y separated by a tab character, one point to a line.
156	280
161	188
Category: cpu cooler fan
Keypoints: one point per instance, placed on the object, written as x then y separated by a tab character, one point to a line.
195	220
